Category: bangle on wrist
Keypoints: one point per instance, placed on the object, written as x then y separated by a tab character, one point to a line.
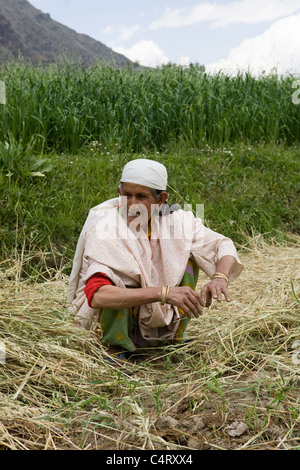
164	294
220	276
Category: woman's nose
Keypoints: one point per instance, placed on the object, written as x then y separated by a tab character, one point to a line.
132	200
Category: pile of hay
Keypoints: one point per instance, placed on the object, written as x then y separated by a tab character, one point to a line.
262	322
57	392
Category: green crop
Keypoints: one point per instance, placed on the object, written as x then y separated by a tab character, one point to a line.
67	106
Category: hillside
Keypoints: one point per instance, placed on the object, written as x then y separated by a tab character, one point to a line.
27	31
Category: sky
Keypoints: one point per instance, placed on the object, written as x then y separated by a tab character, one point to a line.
229	35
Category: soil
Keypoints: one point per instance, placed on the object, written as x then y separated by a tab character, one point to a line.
242	419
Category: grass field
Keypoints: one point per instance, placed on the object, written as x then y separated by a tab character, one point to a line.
245	191
231	144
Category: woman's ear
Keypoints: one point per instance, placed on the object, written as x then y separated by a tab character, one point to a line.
163	197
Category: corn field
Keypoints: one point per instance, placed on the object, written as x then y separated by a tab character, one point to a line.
63	107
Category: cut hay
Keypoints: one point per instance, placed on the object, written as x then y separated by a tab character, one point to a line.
57	392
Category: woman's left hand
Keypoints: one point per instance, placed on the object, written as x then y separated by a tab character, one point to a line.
214	290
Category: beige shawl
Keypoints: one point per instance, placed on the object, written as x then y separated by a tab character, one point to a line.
107	245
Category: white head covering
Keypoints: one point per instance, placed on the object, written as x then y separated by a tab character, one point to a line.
146	173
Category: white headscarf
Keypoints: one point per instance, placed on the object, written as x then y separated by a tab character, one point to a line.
146	173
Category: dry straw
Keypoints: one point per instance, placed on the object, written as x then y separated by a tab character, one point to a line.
57	392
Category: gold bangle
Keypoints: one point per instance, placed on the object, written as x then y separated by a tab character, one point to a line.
167	293
164	294
220	276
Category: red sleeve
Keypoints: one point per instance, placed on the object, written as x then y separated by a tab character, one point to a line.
94	283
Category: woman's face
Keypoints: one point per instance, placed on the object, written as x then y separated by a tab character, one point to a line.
138	201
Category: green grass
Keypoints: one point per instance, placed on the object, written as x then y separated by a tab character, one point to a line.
244	190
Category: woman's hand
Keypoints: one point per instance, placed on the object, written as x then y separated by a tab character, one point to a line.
214	290
183	297
186	299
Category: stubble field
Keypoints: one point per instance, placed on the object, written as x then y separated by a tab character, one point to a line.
234	386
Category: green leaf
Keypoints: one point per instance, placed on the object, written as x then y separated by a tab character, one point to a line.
37	173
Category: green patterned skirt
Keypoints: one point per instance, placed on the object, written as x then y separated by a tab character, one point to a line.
120	328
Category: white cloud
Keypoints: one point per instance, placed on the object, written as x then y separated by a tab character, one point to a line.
185	16
146	52
108	30
184	61
278	47
243	11
127	33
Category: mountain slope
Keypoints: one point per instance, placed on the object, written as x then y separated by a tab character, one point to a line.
27	31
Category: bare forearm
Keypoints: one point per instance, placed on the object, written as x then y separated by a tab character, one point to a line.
225	265
117	297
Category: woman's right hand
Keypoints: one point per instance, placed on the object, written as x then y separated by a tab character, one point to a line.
186	299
